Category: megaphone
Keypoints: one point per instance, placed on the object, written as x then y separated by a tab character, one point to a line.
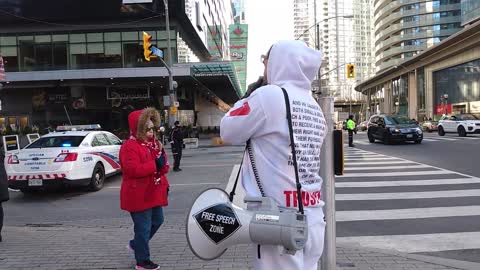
214	224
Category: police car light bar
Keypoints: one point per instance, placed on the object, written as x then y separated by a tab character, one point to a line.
79	127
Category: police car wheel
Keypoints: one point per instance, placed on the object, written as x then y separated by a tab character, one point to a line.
98	178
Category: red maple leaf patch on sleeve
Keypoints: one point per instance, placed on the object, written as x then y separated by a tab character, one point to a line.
244	110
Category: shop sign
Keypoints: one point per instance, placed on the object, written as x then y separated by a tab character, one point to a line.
440	109
128	93
475	107
57	98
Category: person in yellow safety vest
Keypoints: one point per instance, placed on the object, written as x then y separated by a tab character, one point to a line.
351	129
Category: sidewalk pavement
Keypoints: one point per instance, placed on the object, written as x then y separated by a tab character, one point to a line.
100	244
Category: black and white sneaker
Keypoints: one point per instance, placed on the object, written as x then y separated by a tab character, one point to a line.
147	265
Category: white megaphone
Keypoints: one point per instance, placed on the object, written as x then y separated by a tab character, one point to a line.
214	224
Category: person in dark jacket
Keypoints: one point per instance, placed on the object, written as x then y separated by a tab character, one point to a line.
4	196
144	189
176	141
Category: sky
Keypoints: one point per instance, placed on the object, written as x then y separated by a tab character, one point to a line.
268	21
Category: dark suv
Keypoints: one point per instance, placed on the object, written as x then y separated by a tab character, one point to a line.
393	128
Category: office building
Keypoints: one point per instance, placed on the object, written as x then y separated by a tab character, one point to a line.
87	61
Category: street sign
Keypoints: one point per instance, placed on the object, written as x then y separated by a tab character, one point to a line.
157	51
173	110
166	101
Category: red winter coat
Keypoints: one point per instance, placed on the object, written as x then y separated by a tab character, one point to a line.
139	191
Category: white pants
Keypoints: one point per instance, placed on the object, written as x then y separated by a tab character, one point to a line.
272	257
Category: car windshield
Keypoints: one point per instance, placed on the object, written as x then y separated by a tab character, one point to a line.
57	141
397	120
468	117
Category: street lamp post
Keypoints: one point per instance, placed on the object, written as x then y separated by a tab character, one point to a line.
329	257
171	89
444	99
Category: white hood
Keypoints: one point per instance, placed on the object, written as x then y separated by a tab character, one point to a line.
262	118
292	63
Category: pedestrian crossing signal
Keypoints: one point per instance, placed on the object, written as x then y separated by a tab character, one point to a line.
350	71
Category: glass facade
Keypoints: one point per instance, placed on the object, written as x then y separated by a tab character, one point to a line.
405	31
470	11
462	85
80	50
400	95
421	105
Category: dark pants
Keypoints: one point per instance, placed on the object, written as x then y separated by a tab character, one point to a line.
1	220
350	137
146	224
177	155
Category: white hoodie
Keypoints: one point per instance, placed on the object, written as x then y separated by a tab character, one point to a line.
262	118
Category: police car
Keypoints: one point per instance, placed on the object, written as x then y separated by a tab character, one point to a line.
74	155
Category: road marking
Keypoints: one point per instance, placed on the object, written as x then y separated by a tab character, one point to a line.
207	165
445	139
418	242
433	167
173	185
370	158
383	174
432	182
378	163
430	140
408	195
361	154
385	168
409	213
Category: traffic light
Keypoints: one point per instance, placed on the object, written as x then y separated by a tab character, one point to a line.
350	71
147	47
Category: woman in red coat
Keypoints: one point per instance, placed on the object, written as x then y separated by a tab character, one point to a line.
145	185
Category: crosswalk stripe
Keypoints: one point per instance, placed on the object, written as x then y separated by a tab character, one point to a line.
378	163
408	195
445	139
370	158
431	182
430	140
383	174
409	213
418	242
385	167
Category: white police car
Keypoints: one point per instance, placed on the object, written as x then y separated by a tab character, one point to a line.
74	155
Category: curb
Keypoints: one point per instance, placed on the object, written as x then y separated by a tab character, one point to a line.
466	265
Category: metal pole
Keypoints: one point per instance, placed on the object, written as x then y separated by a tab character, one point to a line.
329	256
171	91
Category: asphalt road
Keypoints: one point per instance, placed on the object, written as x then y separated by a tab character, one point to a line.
202	168
413	198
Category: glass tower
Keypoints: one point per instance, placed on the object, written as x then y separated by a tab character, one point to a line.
404	28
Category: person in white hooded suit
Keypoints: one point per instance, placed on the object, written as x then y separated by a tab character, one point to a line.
261	117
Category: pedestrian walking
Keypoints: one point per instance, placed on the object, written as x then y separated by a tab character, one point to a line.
260	120
176	141
145	186
4	196
351	128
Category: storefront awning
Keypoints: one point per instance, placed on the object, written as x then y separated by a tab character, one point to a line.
220	78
